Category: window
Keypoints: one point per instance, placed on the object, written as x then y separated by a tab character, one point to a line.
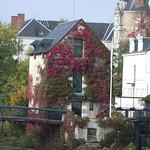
78	47
77	107
77	82
91	134
91	108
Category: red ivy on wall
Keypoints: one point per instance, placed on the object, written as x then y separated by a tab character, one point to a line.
60	61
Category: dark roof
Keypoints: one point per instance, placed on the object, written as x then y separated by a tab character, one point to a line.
134	6
33	28
104	31
50	24
54	37
146	43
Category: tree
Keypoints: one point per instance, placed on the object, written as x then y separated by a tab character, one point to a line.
118	69
13	74
8	48
122	132
18	82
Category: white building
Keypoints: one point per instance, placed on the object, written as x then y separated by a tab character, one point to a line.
136	73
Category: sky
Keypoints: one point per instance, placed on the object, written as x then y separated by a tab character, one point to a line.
89	10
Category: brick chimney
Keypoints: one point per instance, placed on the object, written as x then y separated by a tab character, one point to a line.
14	21
20	20
139	2
17	21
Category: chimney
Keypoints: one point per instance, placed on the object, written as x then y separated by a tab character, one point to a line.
139	2
20	20
14	22
140	42
132	45
17	21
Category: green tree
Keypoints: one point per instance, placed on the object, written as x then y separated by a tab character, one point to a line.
118	69
13	74
122	132
17	84
8	48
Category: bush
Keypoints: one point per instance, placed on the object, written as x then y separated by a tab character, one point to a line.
113	146
29	141
131	146
123	130
109	138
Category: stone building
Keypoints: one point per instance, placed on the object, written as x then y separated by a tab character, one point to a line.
131	18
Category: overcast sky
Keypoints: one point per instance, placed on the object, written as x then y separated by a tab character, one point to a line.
89	10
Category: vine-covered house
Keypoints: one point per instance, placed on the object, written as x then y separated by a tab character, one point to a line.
69	69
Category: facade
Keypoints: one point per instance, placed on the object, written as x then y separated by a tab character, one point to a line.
131	18
136	73
83	50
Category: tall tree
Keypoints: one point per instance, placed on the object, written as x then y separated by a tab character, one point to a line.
18	82
8	65
118	69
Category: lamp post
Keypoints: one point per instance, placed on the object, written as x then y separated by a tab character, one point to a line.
111	79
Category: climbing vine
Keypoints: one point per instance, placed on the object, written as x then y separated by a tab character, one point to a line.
55	88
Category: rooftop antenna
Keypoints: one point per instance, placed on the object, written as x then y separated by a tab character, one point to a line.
74	5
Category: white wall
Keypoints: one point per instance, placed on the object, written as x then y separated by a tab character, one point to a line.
137	61
35	65
135	83
26	45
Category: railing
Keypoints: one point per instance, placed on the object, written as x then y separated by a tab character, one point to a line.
136	114
30	114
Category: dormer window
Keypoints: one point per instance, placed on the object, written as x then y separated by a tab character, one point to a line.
140	43
78	47
132	45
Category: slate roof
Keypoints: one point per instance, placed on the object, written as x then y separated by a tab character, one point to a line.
53	37
146	43
50	24
33	28
41	28
133	6
104	31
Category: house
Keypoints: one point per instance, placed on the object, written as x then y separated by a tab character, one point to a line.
73	49
136	73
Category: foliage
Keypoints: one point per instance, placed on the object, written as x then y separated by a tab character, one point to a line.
57	91
69	123
13	74
118	69
121	127
17	84
8	47
113	146
29	141
81	121
108	139
131	146
146	99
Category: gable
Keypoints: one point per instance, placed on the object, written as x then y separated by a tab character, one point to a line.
33	28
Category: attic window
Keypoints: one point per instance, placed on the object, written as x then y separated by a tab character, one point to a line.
78	47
